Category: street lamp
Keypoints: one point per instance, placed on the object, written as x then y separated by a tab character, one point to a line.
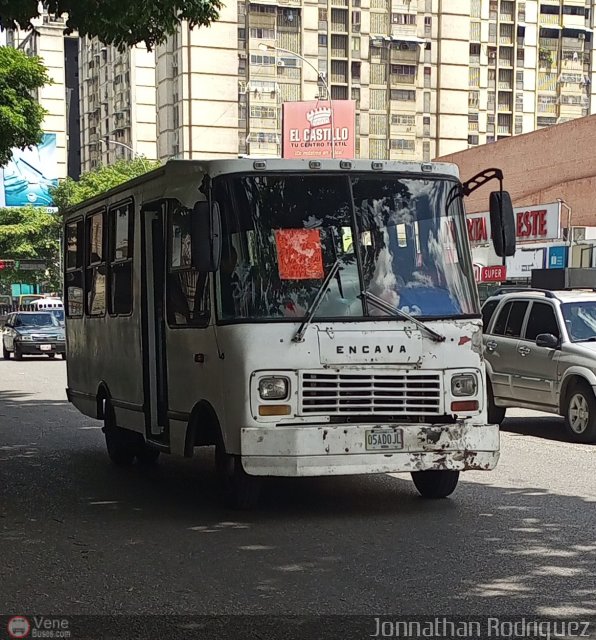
105	141
269	47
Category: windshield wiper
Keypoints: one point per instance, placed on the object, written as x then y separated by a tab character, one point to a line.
590	339
316	303
382	305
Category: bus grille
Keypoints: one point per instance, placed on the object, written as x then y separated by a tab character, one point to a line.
334	393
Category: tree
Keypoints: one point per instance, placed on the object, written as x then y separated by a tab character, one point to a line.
21	116
30	232
71	192
121	23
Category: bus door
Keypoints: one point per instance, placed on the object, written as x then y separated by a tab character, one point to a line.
155	381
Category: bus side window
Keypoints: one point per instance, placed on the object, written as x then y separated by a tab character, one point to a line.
95	281
120	229
73	263
187	290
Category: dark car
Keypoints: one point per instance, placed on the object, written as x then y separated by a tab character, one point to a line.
32	333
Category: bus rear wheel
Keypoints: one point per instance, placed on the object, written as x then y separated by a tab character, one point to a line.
240	490
435	484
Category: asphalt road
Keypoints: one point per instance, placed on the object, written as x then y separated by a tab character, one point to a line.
78	536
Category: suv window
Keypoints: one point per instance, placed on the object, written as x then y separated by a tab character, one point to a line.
511	319
542	320
487	313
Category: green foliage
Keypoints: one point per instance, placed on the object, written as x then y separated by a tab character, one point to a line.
70	192
30	232
123	23
21	116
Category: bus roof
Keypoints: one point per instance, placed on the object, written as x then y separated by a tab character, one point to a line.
184	168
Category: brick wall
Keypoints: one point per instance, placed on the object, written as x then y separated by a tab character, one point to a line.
540	167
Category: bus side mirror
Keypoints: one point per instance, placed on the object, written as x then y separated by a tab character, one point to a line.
502	223
206	236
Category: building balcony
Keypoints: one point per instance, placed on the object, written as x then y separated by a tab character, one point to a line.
551	44
573	22
474	59
288	73
572	44
339	53
401	78
406	56
339	27
505	106
505	85
547	108
553	19
506	17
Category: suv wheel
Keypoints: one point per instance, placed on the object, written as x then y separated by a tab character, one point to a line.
496	415
580	413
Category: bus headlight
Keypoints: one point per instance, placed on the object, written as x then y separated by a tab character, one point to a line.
464	385
274	388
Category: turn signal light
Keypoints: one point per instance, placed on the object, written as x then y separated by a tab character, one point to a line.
274	410
464	405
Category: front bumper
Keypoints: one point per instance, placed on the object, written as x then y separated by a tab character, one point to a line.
34	348
340	450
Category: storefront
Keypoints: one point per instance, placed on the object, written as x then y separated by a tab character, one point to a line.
540	245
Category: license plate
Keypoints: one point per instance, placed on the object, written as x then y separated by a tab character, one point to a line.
45	347
390	439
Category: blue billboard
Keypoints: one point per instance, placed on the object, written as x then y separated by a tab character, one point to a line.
27	178
557	257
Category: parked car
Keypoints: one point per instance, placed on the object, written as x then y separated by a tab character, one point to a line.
32	333
540	351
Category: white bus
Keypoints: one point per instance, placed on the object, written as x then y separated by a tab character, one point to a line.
307	318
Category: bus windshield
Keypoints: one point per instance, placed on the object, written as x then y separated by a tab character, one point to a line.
403	239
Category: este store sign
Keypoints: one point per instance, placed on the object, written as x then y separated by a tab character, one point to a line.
540	222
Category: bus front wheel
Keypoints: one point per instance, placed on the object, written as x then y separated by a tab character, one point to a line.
119	442
240	490
435	484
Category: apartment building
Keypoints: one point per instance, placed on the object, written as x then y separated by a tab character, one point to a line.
59	53
117	103
429	77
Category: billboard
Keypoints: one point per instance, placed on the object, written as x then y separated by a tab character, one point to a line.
537	222
307	129
27	178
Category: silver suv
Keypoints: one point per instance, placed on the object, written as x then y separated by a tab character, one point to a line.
540	350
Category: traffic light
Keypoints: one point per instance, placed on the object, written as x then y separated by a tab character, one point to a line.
6	264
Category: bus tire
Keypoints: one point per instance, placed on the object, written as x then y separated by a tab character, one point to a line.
435	484
5	352
146	454
17	353
240	490
120	442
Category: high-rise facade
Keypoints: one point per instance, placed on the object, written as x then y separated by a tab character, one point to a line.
117	103
429	77
59	53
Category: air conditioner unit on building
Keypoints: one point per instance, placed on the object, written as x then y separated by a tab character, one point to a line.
581	36
281	63
242	55
579	233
